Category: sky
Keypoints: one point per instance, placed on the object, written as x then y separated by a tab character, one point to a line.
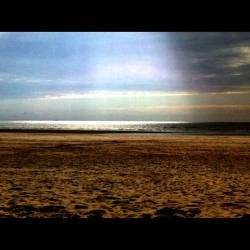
125	76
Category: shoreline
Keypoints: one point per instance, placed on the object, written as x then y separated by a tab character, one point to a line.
71	131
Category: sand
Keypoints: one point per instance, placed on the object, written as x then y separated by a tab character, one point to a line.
45	175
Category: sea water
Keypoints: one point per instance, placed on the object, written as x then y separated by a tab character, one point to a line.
192	128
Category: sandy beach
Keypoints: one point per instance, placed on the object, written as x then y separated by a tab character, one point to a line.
63	175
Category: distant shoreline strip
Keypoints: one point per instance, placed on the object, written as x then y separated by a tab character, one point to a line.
74	131
70	131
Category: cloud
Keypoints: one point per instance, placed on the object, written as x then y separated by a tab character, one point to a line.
2	34
29	115
212	61
198	113
142	94
114	94
200	42
125	70
128	61
179	108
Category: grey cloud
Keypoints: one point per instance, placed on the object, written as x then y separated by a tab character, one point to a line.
210	62
207	41
39	64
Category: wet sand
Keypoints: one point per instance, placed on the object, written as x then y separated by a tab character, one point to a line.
45	175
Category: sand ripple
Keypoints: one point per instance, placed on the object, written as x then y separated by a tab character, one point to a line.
124	176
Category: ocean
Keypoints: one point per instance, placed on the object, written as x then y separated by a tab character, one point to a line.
167	128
